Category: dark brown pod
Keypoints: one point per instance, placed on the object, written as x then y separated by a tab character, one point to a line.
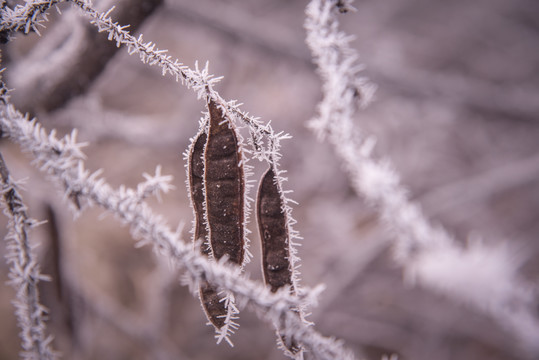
224	186
272	225
273	233
209	298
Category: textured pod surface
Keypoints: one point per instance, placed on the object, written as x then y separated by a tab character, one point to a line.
224	185
273	233
215	309
196	183
272	225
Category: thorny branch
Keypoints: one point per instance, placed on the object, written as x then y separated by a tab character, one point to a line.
24	18
24	273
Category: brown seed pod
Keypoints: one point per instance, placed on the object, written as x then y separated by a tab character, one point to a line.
214	308
272	225
224	186
273	233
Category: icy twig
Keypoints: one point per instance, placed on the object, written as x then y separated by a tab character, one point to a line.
24	274
199	79
25	18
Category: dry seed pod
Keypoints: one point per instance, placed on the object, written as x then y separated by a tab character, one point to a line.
224	186
272	225
215	309
273	233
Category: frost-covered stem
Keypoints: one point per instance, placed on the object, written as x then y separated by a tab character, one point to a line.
376	180
199	80
487	276
63	160
25	17
24	273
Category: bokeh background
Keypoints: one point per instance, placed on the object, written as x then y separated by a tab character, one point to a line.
456	111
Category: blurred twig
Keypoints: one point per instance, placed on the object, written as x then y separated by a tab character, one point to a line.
427	252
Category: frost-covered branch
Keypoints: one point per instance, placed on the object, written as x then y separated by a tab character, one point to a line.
265	142
24	273
199	80
342	92
64	161
25	18
483	276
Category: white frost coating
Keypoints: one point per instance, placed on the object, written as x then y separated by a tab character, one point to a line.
199	80
480	275
230	325
24	274
27	17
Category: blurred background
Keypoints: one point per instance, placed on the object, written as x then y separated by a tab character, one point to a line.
456	111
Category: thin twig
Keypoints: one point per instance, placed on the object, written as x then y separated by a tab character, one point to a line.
24	274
